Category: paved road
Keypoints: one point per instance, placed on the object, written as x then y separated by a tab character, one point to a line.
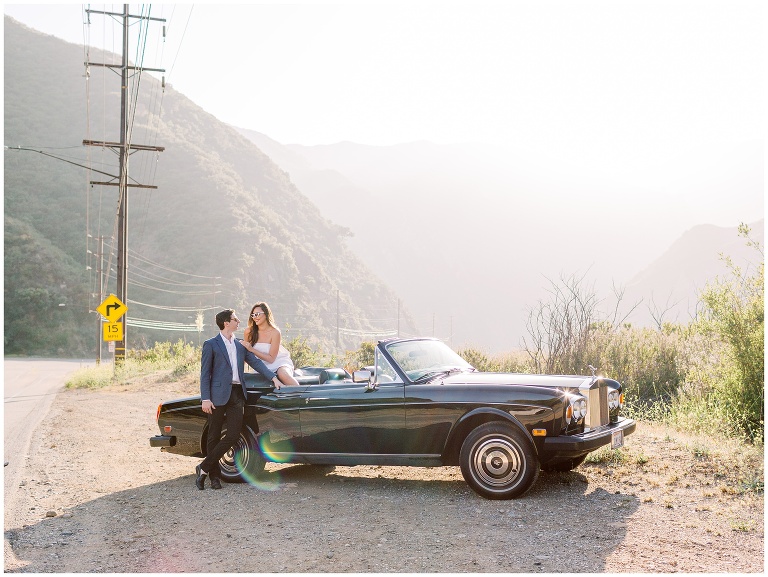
29	387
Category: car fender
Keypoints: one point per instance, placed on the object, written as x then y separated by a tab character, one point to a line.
472	420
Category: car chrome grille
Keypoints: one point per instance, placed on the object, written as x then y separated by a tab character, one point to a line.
596	392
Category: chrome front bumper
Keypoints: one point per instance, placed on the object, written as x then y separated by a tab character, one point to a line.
583	443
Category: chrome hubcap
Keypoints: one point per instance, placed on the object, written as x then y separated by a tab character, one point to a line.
227	463
497	462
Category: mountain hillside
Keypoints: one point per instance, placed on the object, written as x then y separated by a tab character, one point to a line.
225	226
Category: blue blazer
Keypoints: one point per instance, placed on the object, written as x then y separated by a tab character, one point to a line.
216	370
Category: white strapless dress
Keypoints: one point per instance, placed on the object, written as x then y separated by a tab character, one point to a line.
283	358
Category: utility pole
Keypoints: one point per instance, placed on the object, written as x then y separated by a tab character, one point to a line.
337	318
123	149
100	273
398	318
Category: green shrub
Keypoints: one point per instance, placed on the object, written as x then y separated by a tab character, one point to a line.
607	456
179	358
91	377
725	381
512	362
175	359
480	360
362	357
303	355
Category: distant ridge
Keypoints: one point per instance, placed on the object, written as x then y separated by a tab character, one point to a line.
677	276
487	259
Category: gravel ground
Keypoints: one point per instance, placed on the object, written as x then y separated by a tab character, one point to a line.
96	498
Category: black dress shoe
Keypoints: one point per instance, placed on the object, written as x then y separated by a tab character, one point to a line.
200	479
215	483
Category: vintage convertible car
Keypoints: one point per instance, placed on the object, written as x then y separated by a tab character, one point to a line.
420	404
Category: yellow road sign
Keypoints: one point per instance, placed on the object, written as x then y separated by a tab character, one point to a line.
113	331
112	309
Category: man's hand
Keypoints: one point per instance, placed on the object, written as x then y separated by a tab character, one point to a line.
208	407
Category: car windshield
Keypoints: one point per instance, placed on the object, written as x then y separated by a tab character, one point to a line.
422	359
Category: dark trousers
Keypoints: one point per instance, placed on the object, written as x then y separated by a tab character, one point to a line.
232	413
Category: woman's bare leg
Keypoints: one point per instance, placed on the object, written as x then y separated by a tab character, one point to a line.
286	377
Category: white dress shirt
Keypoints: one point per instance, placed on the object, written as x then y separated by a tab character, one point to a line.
232	351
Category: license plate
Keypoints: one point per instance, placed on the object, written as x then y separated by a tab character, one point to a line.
617	439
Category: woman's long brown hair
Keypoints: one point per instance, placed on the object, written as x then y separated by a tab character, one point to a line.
252	332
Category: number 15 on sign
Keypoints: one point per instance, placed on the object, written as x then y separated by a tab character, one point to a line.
113	331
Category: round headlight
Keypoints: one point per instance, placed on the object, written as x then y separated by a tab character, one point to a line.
577	409
614	400
580	409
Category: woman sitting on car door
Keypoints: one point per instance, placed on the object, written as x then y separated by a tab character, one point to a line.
263	339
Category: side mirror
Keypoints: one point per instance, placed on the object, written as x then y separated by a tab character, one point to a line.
362	376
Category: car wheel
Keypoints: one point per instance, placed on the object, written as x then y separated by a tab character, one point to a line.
498	462
244	461
564	465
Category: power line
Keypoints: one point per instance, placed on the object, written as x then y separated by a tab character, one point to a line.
59	158
368	333
199	293
162	325
174	309
163	267
158	278
183	34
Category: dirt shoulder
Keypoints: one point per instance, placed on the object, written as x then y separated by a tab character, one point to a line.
95	497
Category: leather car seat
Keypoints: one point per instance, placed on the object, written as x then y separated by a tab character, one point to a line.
332	375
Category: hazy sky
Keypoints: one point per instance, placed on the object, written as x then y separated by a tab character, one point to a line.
637	94
385	73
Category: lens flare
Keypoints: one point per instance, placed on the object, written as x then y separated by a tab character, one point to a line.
272	456
264	481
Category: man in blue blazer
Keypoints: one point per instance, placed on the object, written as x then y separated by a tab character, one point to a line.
223	393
